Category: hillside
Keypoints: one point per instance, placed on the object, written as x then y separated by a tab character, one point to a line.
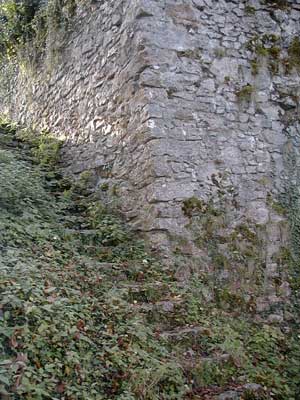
88	313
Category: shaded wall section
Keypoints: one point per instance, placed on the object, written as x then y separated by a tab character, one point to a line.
89	93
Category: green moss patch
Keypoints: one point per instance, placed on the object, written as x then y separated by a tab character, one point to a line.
245	93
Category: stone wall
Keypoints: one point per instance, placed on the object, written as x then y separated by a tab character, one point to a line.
185	108
88	92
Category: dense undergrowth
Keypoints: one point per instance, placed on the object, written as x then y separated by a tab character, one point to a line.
87	313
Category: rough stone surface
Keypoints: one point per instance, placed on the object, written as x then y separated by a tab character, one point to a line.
150	96
250	390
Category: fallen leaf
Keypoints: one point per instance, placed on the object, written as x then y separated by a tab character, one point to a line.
61	387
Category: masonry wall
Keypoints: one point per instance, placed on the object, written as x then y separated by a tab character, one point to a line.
182	107
88	92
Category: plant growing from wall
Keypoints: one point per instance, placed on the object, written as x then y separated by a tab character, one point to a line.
32	27
293	60
266	47
250	10
245	93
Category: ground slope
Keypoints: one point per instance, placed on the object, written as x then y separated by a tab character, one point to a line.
87	313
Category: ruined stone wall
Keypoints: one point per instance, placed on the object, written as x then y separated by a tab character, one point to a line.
224	89
189	110
87	92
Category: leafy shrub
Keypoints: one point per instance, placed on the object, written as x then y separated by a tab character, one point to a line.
31	22
45	147
16	26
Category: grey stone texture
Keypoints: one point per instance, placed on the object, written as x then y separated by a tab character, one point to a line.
150	97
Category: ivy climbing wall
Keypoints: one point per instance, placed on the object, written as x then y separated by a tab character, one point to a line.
187	115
